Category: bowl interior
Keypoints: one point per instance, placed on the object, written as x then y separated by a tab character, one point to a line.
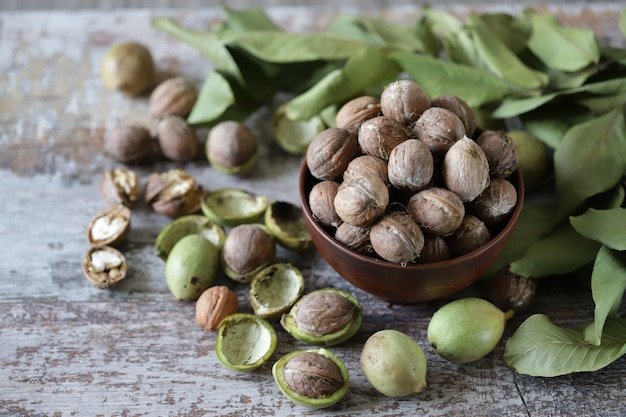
413	283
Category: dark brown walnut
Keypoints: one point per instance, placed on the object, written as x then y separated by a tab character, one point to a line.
330	152
509	290
356	111
177	140
247	248
495	205
469	236
365	166
435	250
465	169
231	147
459	107
404	101
353	237
500	152
397	238
438	211
439	129
173	193
312	375
120	185
378	136
129	144
173	97
411	165
323	313
322	203
361	201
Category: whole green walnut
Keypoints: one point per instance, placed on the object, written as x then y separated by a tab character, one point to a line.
191	267
394	363
466	329
127	67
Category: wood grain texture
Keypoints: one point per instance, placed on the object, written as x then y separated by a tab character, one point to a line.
71	349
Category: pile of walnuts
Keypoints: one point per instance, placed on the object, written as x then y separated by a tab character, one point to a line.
411	179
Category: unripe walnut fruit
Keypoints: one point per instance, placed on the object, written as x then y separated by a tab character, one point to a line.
378	136
410	165
404	101
356	111
459	107
438	211
322	203
397	238
330	152
500	152
465	169
361	201
439	129
495	205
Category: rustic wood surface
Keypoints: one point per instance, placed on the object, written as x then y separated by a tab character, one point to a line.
71	349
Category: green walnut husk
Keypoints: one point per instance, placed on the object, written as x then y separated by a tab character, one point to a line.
187	225
286	223
275	289
191	267
294	136
278	371
231	207
324	317
245	342
466	329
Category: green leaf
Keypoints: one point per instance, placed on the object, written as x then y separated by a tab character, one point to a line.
208	44
219	100
605	226
514	106
540	348
608	282
249	19
561	251
507	29
454	37
393	35
562	48
439	77
424	31
604	104
501	60
351	27
622	22
533	222
551	121
365	69
590	160
284	47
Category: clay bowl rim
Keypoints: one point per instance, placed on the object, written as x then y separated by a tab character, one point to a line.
305	178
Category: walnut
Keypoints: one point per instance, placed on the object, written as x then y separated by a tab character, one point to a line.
330	152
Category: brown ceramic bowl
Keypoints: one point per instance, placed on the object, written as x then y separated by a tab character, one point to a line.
414	283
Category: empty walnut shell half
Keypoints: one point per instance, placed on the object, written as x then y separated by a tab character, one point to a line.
104	266
109	227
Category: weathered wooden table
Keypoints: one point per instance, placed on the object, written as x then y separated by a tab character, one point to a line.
68	348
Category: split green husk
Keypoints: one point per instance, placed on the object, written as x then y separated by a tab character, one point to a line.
504	66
